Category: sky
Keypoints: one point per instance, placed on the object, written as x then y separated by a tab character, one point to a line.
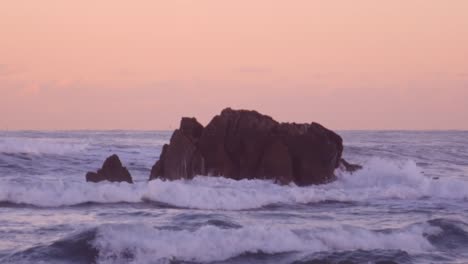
113	64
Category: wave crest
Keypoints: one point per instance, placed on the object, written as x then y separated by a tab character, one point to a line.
125	243
380	179
138	243
39	146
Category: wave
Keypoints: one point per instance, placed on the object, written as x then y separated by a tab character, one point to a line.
76	248
453	235
379	180
132	243
38	146
60	193
119	243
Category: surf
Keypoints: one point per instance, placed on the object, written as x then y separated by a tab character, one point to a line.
380	179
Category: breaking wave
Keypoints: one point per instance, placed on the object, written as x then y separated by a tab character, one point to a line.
132	243
380	179
38	146
46	194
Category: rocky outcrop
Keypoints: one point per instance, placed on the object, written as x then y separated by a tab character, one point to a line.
112	170
241	144
346	166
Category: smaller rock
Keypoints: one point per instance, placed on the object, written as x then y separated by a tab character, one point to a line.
349	167
112	170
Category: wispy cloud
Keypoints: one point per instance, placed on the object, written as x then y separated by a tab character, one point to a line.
30	89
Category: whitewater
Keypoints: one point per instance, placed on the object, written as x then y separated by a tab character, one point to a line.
408	205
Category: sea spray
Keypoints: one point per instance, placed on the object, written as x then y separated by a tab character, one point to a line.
380	179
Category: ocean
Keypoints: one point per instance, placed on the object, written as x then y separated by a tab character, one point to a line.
408	205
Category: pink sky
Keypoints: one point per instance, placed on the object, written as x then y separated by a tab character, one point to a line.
111	64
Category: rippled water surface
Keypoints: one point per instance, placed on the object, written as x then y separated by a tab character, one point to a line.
408	205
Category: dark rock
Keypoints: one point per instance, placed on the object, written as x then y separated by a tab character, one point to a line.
233	143
349	167
276	163
181	158
241	144
112	170
191	128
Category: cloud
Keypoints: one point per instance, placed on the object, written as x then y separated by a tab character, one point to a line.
31	89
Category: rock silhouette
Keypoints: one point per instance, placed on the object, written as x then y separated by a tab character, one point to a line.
350	167
242	144
112	170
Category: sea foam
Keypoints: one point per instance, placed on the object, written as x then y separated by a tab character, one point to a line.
141	243
125	243
65	194
380	179
39	146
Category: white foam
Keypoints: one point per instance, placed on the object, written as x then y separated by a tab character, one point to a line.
64	194
384	179
40	145
380	179
209	243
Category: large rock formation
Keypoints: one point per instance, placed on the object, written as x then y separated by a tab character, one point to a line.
241	144
112	170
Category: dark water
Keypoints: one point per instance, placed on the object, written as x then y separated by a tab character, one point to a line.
409	205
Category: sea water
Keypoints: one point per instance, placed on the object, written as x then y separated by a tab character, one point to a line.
408	205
